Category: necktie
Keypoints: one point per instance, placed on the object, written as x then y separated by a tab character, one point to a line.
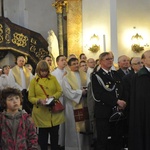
127	71
109	73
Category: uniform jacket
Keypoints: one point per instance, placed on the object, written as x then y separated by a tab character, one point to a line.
108	100
42	115
25	135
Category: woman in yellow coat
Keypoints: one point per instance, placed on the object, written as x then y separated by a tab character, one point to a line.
45	120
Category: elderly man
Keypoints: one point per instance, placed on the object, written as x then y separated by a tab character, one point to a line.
139	128
20	77
123	63
107	91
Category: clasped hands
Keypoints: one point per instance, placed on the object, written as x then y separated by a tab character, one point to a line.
121	104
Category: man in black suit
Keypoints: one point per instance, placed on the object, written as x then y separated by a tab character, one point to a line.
123	63
107	91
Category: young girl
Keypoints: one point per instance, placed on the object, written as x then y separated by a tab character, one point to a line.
17	131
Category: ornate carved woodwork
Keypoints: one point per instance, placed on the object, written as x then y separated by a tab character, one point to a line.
20	40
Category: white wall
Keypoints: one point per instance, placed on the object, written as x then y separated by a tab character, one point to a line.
131	14
95	21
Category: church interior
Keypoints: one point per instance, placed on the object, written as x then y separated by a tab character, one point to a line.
79	26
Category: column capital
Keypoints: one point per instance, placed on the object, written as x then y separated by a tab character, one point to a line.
59	5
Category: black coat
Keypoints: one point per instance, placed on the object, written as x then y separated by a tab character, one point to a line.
103	109
121	73
139	128
126	81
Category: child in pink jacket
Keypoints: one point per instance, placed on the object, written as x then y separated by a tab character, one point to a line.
17	130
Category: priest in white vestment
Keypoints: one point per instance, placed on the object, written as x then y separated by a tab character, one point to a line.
59	72
73	83
19	76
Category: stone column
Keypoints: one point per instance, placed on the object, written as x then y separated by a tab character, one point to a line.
74	27
59	4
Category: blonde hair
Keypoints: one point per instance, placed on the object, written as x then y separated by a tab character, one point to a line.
42	65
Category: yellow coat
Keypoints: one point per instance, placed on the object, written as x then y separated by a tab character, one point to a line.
41	115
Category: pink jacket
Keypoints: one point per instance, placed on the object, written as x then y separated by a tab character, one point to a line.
25	137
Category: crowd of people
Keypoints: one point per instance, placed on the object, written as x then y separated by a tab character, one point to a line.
90	90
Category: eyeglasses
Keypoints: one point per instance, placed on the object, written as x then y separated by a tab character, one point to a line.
138	63
109	59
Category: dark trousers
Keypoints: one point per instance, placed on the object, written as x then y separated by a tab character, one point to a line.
104	129
43	137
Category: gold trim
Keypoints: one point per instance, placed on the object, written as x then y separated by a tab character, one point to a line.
19	51
14	49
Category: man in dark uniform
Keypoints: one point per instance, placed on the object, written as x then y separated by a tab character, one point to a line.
139	128
107	91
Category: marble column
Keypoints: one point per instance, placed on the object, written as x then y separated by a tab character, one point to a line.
60	33
59	10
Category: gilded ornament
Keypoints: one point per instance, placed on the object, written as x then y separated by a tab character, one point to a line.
33	45
1	33
41	53
7	35
33	48
137	48
33	41
19	39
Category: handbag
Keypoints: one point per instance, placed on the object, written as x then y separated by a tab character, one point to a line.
56	106
117	115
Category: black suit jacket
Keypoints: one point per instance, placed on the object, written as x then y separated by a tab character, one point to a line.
122	74
108	99
126	80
